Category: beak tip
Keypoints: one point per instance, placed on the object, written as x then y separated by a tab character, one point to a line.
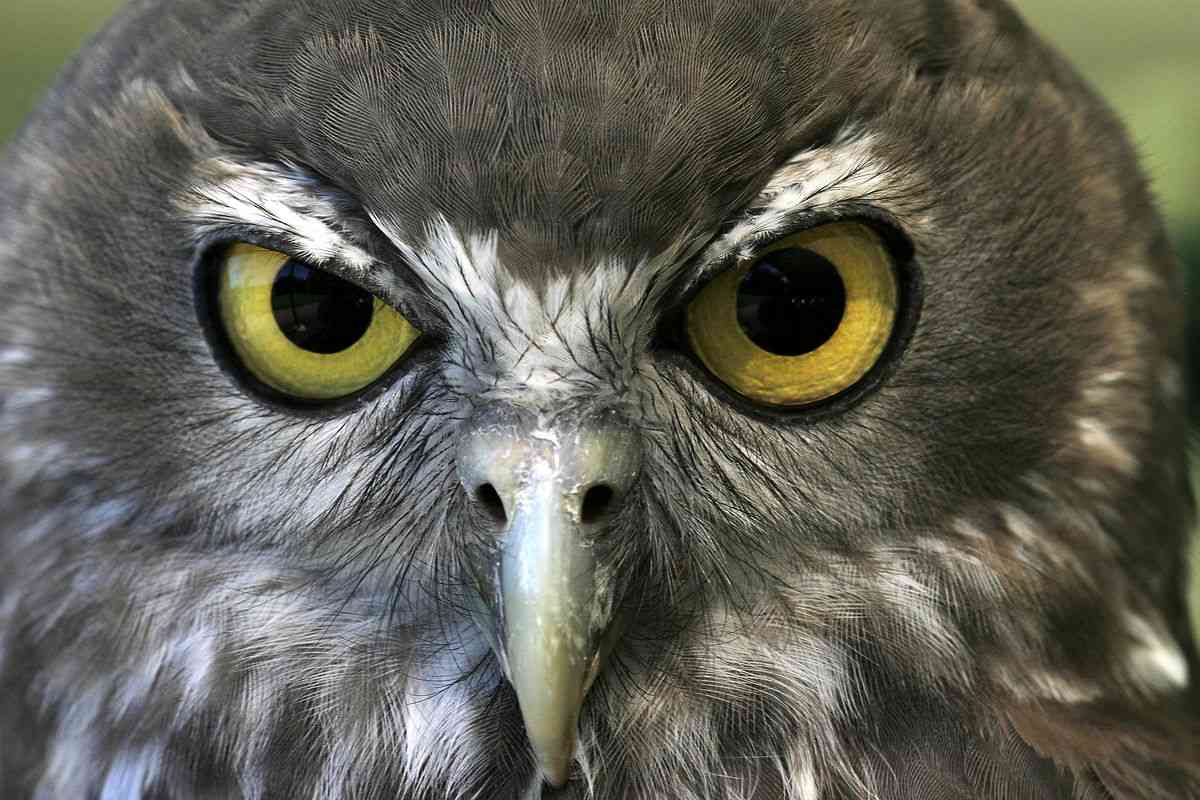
554	756
556	770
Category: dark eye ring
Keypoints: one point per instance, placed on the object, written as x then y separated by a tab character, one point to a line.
303	331
804	320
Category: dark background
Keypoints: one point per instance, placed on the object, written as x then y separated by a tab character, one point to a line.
1144	56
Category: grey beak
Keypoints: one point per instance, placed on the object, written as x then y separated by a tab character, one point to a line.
552	487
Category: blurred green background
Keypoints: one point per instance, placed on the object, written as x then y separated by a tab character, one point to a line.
1144	56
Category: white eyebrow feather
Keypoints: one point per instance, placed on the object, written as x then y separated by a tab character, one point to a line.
848	169
281	201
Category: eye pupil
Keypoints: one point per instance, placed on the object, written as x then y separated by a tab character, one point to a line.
317	311
791	302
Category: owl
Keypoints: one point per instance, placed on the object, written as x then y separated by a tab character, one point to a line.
605	400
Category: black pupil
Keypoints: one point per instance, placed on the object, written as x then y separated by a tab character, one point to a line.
317	311
791	302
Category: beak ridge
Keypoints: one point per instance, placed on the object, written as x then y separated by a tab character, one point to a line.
547	591
552	605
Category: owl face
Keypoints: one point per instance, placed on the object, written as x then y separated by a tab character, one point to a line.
689	400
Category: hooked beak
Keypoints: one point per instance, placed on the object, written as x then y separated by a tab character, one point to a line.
553	489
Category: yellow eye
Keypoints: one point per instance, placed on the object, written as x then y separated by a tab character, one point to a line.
304	331
803	321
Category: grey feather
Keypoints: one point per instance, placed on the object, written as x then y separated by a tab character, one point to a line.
966	583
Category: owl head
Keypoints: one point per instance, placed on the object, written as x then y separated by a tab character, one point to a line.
706	399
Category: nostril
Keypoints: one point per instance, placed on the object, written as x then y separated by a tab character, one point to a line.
596	502
489	498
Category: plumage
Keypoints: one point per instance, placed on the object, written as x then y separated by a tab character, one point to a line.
961	578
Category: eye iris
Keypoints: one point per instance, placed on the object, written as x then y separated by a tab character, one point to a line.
791	302
317	311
